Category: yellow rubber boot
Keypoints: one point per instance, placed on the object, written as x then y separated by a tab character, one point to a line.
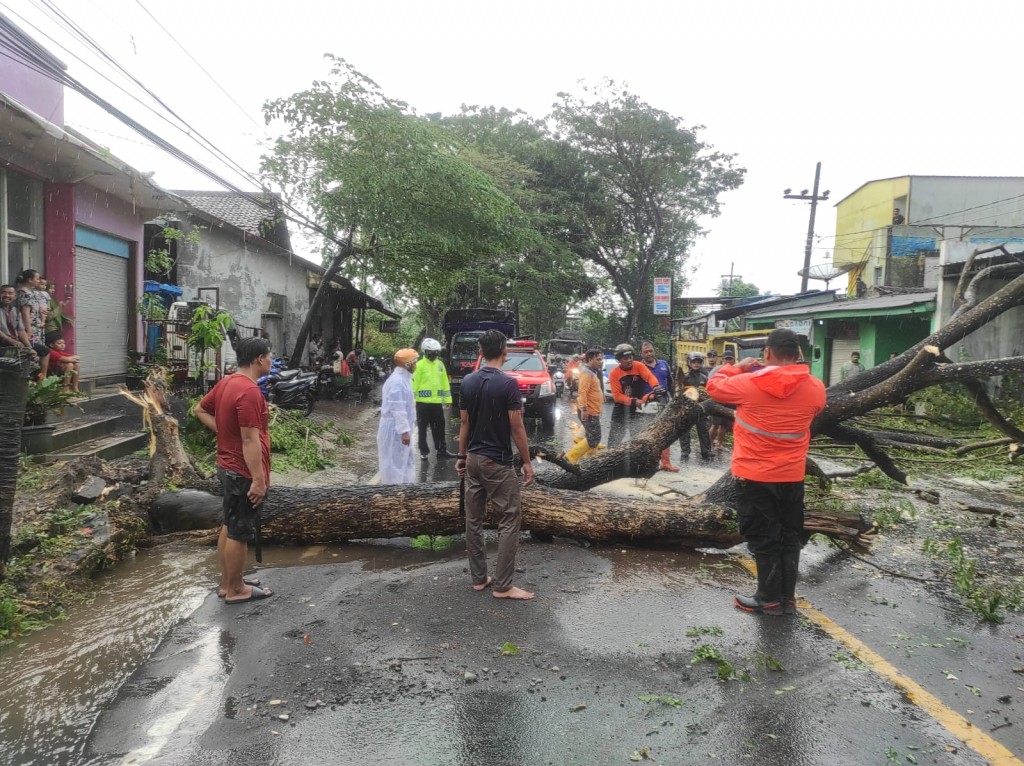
579	449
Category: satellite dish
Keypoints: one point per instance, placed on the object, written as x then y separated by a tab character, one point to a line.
826	271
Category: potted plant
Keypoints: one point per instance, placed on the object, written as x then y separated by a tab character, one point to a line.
43	398
135	371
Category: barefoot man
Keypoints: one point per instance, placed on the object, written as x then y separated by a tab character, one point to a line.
236	411
492	418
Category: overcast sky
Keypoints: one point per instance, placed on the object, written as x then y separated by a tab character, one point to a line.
871	89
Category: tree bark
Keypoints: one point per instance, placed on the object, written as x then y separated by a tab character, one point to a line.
14	369
318	300
303	516
168	460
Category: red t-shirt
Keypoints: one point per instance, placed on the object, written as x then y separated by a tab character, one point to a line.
236	402
58	356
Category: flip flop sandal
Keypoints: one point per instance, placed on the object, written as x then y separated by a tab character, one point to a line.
247	580
258	594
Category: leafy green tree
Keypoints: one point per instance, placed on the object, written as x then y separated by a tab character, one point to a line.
655	178
544	282
736	288
389	186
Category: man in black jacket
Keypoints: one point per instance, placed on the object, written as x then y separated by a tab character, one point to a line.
696	376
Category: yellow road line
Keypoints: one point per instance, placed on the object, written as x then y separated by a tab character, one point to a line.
980	742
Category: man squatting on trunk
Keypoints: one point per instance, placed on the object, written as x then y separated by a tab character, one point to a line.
775	405
492	417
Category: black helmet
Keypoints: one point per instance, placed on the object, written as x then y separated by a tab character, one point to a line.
622	349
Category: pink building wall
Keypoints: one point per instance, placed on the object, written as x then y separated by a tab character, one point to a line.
59	248
39	93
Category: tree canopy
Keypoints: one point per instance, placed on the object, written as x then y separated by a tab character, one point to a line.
736	288
492	207
656	180
364	163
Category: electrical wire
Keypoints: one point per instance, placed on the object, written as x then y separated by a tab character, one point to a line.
28	53
202	68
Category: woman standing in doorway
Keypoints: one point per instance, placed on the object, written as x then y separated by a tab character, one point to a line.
34	304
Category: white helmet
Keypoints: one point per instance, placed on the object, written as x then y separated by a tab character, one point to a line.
429	344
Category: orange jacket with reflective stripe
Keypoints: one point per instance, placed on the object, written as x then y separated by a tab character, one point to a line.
774	410
624	385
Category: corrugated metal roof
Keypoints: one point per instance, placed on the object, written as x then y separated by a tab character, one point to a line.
881	303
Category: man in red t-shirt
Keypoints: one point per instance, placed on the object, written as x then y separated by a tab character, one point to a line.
236	411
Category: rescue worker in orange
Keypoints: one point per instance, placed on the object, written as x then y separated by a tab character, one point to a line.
626	383
591	400
775	405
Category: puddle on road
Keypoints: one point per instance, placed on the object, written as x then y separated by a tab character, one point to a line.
54	683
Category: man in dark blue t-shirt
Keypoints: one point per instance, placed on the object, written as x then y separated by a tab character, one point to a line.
492	418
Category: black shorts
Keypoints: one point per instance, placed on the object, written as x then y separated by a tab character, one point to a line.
239	513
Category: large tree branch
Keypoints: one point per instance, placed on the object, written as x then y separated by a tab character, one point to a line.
959	327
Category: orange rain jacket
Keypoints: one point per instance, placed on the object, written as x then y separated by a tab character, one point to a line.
591	393
625	385
774	410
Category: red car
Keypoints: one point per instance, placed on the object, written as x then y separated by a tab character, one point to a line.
525	363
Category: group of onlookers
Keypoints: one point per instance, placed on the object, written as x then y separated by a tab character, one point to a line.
31	319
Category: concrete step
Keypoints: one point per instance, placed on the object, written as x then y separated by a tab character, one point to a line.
92	426
106	402
106	447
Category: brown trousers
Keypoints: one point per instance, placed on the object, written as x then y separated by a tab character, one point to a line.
488	481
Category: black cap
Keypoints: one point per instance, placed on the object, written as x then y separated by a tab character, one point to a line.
782	338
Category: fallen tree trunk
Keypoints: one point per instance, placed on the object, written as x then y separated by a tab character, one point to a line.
304	515
298	515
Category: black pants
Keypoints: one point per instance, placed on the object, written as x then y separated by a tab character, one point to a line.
771	516
428	413
625	420
703	437
592	429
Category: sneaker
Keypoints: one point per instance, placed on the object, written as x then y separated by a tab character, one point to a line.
444	455
424	455
774	608
789	606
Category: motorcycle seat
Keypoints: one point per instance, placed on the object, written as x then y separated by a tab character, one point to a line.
285	374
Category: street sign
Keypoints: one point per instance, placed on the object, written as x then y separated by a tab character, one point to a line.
799	326
663	296
389	325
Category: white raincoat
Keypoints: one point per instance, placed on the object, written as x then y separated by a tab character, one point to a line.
397	461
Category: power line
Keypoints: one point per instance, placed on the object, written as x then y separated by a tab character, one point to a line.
201	67
27	50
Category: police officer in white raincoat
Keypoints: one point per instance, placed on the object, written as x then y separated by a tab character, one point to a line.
395	456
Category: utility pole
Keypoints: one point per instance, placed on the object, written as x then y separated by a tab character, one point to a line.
732	277
813	198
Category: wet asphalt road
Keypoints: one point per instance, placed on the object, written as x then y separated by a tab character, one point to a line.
369	666
368	660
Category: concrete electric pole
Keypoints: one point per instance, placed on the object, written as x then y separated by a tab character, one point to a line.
813	198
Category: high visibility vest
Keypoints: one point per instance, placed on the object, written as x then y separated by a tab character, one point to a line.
430	382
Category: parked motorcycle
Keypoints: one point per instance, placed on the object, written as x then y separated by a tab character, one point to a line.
289	389
331	385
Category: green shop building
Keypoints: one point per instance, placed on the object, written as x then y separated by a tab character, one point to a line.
876	327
